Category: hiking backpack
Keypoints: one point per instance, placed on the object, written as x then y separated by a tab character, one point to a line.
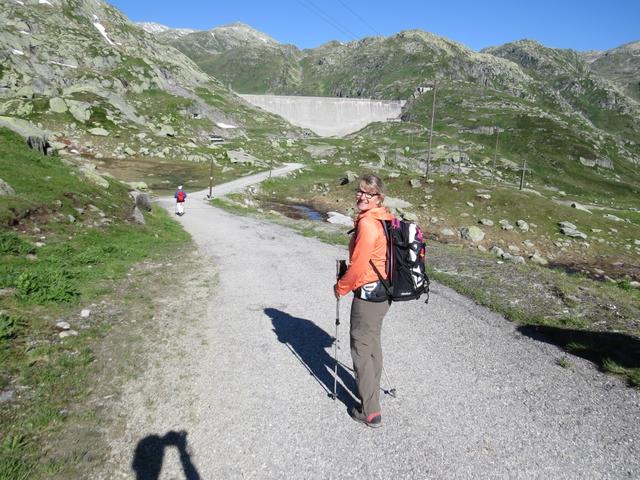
406	275
181	195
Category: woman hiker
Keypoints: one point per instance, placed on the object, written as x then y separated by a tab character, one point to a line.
370	302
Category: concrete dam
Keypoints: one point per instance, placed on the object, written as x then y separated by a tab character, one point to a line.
328	116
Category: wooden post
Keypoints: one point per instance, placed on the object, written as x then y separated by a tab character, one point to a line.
524	169
210	177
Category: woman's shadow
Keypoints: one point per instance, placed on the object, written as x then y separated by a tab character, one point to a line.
308	343
149	455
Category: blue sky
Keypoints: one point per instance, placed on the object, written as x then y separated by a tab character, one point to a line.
577	24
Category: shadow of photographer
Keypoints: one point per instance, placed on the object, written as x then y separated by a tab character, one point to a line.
308	343
149	456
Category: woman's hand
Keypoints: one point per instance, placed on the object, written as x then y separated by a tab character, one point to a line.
335	291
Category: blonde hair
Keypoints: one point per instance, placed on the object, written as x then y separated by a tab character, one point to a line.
374	182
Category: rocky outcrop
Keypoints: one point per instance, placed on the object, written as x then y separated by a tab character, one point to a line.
6	190
40	144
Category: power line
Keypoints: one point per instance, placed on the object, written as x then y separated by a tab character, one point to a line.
327	18
355	14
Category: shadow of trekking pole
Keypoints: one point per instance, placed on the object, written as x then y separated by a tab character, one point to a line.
308	343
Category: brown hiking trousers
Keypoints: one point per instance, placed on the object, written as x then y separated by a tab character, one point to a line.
366	350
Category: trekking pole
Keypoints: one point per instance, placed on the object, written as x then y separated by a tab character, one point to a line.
335	345
391	391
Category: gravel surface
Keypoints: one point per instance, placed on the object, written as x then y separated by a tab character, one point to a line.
475	398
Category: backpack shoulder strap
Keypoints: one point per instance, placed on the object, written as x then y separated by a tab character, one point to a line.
385	282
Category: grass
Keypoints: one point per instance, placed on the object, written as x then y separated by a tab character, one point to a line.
76	264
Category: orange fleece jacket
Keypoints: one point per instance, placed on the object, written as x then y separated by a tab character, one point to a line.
368	243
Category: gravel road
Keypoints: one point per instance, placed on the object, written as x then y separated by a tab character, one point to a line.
475	398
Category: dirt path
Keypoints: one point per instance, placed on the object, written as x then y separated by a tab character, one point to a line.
249	382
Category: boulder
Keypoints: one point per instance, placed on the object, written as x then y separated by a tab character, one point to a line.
393	202
609	216
497	251
5	189
486	221
138	185
505	225
349	177
167	131
339	219
143	202
473	233
81	111
577	206
409	216
25	92
22	127
536	258
415	183
137	216
568	225
57	105
241	157
99	132
522	225
447	232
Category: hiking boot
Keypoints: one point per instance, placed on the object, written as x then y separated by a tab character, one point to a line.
373	420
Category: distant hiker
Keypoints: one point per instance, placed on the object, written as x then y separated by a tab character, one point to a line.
180	197
370	300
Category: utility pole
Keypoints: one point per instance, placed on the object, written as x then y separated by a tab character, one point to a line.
210	177
495	156
433	112
524	169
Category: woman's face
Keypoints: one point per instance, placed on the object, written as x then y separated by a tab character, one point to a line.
367	198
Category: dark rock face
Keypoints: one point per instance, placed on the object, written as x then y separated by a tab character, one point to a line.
40	144
143	202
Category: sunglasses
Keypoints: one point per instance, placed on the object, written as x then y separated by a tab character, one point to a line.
367	195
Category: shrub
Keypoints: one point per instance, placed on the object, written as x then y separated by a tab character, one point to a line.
12	244
46	286
9	326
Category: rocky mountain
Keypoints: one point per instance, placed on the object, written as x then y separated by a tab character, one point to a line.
81	73
240	56
620	65
522	88
393	67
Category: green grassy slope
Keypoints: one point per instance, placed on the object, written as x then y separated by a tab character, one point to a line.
64	242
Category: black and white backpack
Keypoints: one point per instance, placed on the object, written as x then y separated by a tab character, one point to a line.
406	275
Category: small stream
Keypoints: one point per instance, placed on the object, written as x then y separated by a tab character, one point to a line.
297	212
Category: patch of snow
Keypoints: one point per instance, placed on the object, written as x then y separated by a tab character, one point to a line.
102	31
24	32
225	125
44	2
19	2
17	52
63	64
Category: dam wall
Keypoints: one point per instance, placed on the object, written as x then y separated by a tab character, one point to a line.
328	116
